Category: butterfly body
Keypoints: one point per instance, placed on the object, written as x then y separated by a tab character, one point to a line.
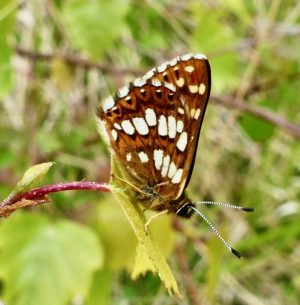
153	126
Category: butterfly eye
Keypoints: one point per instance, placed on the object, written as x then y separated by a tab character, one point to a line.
185	211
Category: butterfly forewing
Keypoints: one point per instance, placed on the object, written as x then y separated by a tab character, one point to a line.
153	125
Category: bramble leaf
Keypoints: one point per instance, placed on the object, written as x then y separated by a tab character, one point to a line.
46	263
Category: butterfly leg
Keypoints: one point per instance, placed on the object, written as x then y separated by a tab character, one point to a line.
154	217
128	183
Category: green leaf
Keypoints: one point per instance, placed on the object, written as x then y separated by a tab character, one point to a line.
164	241
116	233
136	217
101	287
142	263
256	128
94	26
46	263
32	177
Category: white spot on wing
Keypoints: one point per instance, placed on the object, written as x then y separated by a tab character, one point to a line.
193	88
127	127
117	126
143	157
123	92
189	69
158	158
149	74
172	170
170	86
177	177
172	127
139	82
165	166
114	134
128	157
200	56
108	103
162	67
180	82
182	141
180	110
150	117
179	126
162	126
155	82
173	61
141	126
186	57
197	114
202	88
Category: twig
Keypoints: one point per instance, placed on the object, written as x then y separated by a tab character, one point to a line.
39	195
75	60
229	102
260	112
188	282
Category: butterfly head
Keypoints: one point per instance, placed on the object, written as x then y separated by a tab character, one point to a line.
185	210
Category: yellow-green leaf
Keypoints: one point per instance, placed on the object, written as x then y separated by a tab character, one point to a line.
163	236
32	177
142	263
136	217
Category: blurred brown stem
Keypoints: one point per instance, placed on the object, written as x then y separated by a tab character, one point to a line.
75	60
188	281
229	102
260	112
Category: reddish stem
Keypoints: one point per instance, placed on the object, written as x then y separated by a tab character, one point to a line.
67	186
38	195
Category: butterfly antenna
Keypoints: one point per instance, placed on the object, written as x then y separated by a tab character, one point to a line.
236	253
226	205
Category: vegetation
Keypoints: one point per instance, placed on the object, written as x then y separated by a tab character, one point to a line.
58	60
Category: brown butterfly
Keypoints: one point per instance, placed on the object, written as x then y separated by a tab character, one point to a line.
153	126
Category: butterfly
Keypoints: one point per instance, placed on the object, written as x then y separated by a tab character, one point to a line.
153	126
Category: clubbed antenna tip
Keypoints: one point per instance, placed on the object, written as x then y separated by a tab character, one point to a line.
236	253
248	209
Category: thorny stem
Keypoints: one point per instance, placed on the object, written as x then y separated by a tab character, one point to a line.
39	195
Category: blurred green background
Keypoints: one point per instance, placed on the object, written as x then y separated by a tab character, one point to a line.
59	59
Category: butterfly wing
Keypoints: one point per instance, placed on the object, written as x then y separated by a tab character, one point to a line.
153	125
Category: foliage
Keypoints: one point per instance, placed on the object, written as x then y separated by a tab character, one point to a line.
58	59
148	256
